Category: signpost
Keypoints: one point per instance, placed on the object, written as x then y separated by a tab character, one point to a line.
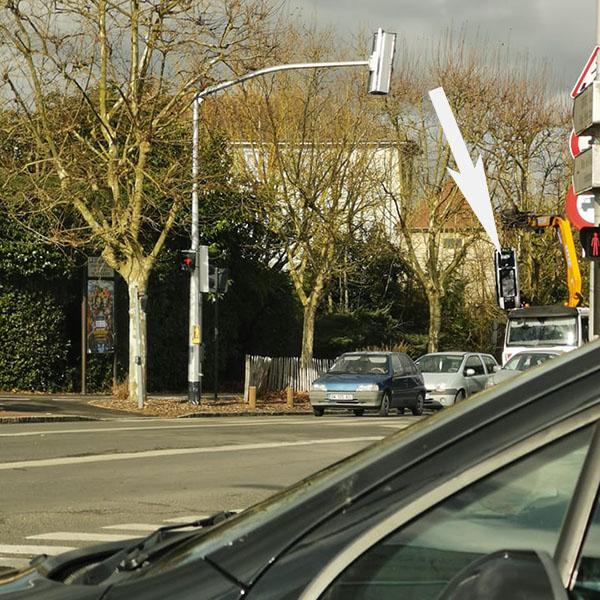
579	209
586	172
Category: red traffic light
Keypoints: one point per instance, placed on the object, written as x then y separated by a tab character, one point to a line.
590	242
188	262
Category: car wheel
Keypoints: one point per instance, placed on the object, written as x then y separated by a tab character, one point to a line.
460	396
418	409
318	411
384	409
359	412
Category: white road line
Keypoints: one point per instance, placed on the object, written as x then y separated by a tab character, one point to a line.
15	563
182	426
77	460
186	519
33	550
133	527
77	536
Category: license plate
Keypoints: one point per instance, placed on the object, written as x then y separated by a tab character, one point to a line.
340	396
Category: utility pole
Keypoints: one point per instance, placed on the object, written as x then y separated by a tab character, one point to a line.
380	65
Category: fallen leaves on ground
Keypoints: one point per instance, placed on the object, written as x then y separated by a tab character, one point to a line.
178	406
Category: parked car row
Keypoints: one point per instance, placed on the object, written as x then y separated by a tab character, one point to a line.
382	381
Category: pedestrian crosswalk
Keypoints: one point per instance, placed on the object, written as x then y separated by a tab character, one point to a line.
56	542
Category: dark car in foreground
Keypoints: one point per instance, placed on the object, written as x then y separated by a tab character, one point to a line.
370	380
494	498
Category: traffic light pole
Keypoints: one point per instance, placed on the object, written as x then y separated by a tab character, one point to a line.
194	359
380	67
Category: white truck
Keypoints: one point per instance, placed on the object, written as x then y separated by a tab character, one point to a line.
560	328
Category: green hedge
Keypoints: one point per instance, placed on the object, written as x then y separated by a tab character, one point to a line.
34	347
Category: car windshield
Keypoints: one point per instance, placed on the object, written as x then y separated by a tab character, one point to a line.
361	364
542	331
526	360
440	363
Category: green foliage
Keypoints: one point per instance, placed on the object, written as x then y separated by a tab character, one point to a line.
343	332
34	350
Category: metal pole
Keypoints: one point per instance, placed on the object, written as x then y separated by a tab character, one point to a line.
216	344
194	366
138	348
84	332
195	308
595	265
374	63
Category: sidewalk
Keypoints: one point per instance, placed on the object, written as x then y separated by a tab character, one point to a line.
36	408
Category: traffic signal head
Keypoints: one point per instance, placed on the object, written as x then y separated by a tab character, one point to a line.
381	62
218	279
590	242
507	279
188	260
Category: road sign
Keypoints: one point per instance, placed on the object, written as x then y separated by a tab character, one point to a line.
579	143
586	171
579	209
587	75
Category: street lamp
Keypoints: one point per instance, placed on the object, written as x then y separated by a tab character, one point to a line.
380	65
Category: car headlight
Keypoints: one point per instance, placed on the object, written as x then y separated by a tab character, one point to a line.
440	387
367	387
319	387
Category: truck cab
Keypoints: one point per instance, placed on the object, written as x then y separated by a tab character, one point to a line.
559	328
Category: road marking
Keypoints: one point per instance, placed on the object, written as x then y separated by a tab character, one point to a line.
76	536
77	460
15	563
33	550
182	426
133	527
187	519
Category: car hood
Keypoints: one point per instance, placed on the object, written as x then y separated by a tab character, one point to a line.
450	380
503	375
346	381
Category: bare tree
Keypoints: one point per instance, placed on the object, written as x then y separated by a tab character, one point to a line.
435	229
102	91
306	149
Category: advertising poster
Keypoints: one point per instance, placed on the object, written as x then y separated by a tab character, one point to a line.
100	313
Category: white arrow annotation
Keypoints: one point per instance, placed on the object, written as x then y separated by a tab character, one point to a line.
469	178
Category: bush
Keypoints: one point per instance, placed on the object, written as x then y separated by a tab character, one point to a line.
34	347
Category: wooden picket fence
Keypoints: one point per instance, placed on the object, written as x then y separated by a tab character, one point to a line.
269	374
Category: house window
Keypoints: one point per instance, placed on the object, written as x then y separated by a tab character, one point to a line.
452	243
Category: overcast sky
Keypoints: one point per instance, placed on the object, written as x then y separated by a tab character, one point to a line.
559	31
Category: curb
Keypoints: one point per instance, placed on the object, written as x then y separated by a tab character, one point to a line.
280	413
45	419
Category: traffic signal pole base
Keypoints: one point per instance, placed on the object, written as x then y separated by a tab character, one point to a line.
194	392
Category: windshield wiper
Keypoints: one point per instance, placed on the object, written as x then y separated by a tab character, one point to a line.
137	555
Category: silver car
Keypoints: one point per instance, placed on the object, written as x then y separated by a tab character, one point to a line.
453	376
520	362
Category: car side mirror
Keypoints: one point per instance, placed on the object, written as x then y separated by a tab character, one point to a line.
507	574
469	372
496	368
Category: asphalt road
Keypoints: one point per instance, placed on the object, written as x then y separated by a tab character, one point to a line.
66	485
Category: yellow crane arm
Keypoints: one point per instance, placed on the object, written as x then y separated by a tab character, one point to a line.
565	237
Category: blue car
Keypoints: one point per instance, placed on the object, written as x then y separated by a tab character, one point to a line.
370	380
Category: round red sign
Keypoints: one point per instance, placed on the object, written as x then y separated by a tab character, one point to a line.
579	209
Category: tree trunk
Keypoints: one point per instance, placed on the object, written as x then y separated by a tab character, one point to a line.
137	285
435	319
308	330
